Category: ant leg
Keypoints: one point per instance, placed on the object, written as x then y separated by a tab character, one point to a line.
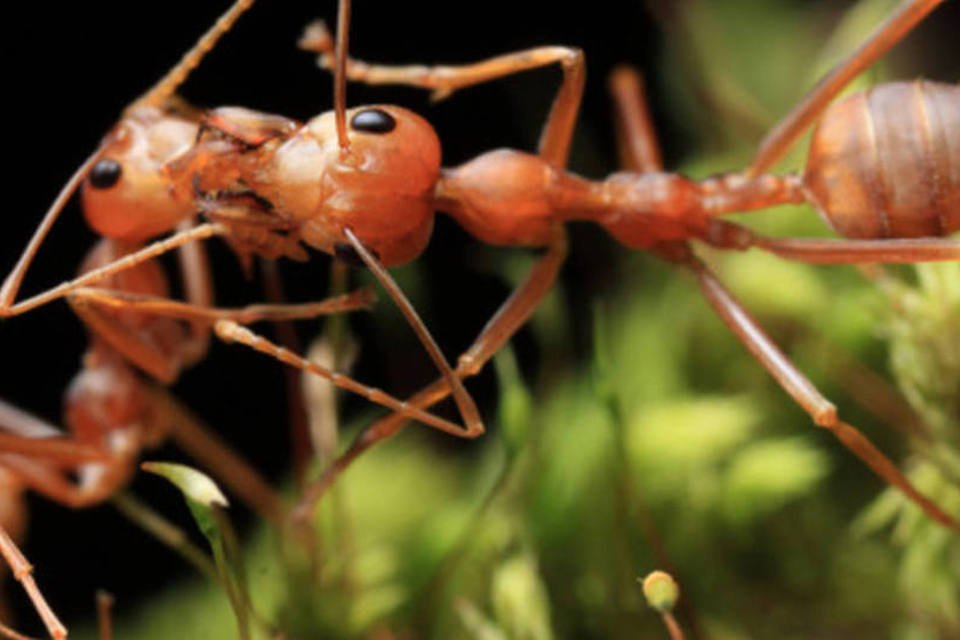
97	307
443	80
27	435
508	319
361	299
11	285
724	234
49	481
156	96
34	454
105	603
819	408
164	89
301	448
59	450
198	289
891	31
23	572
230	331
152	250
852	251
637	139
465	404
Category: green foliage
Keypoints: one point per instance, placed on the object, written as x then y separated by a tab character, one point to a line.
925	358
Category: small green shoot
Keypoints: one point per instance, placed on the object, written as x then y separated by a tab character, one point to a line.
206	504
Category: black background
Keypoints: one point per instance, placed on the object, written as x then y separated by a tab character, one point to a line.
70	68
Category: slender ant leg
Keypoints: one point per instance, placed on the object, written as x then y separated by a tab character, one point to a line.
23	572
637	139
43	462
804	393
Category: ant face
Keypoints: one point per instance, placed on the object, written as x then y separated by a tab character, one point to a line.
127	195
381	188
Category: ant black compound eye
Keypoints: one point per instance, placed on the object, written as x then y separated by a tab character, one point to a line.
105	173
373	121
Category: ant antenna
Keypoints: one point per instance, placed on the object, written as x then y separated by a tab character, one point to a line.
340	76
157	95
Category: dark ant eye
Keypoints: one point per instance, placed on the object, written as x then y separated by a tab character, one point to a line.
344	251
373	121
105	174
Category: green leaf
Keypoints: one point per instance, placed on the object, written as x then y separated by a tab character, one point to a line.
206	501
194	485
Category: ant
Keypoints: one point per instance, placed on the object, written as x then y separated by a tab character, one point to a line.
363	183
334	181
891	195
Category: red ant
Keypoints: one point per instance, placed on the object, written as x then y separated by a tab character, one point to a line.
332	185
363	184
878	173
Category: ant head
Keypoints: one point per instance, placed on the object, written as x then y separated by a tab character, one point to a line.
380	187
128	195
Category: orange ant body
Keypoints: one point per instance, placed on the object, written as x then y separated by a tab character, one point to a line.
364	183
879	173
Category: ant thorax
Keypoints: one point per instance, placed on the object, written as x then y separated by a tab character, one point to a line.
265	172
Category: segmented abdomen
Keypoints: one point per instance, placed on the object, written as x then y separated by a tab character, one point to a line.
885	163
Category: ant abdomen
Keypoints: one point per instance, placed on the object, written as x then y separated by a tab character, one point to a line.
885	162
